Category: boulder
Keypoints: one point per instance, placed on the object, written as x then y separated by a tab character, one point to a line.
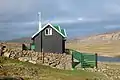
34	58
60	66
7	54
31	61
24	59
12	55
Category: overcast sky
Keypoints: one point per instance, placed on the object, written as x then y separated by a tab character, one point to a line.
18	18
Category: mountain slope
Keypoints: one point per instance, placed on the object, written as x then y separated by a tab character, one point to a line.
105	36
107	44
21	40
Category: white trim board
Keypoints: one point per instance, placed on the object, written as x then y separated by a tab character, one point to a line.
52	27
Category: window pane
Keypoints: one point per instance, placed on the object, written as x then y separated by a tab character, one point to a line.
50	31
46	31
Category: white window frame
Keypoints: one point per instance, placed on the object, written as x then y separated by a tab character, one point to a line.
49	31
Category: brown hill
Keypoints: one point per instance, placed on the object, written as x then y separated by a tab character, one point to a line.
106	44
104	37
21	40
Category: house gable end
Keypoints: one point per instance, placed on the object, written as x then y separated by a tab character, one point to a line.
54	32
57	30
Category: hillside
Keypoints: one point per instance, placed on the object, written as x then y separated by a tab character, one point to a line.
21	40
28	71
106	44
104	37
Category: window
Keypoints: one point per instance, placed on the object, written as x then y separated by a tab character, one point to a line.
48	31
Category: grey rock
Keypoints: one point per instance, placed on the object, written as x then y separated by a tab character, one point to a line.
6	54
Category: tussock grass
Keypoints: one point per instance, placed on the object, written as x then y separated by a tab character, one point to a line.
28	71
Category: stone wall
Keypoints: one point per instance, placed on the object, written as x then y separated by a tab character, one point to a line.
60	61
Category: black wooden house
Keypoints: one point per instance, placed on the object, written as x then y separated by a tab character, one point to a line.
49	39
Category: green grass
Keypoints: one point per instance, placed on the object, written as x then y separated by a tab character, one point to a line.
11	67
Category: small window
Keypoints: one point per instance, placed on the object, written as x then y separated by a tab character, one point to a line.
48	31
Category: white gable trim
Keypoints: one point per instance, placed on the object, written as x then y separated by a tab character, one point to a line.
35	34
45	27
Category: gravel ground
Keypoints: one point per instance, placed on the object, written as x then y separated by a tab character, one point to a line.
111	70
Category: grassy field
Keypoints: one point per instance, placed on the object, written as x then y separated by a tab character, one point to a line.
104	48
28	71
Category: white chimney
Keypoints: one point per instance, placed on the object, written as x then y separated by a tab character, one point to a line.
39	22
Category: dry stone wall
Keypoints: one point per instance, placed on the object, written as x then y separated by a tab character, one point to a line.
60	61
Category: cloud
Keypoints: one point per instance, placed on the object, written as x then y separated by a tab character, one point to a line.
112	8
61	21
112	27
70	21
21	15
